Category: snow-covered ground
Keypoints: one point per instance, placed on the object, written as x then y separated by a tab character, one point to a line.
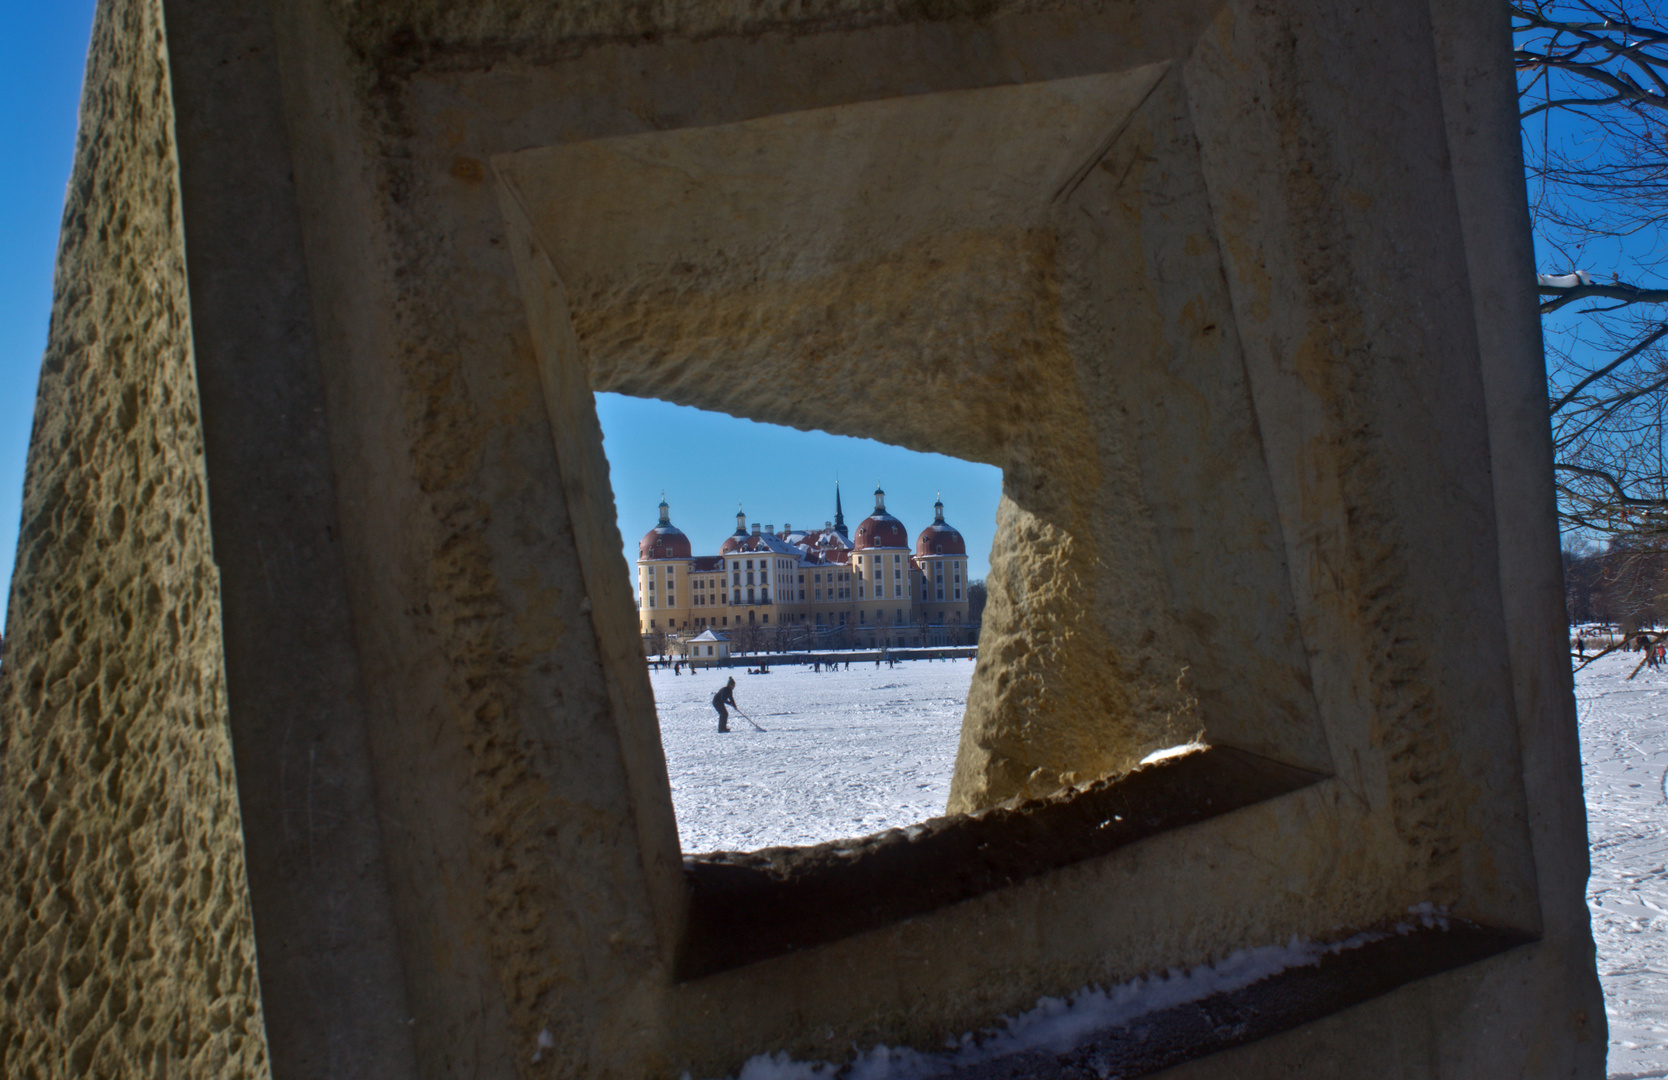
846	753
1624	755
843	753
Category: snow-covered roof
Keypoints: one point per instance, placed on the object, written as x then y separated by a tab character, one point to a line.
708	635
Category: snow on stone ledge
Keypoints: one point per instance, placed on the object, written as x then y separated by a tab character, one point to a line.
1174	751
1058	1025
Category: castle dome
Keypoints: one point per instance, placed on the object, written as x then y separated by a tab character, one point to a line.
665	540
940	538
880	529
738	540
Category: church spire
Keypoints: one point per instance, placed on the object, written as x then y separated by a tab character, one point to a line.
839	515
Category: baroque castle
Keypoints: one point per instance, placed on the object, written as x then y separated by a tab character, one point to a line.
809	586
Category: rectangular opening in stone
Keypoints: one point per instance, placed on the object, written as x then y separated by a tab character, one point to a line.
827	808
1139	597
850	630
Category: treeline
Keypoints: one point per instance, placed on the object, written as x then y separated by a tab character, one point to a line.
1622	585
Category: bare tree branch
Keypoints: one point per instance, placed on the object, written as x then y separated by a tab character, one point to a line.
1651	339
1593	93
1630	294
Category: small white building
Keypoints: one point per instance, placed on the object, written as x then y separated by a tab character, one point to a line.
708	649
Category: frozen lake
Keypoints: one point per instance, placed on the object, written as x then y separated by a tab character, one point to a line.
853	752
844	753
1624	756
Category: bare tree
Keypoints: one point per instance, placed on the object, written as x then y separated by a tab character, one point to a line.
1593	89
746	638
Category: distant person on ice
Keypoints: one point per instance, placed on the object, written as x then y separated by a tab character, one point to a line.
725	695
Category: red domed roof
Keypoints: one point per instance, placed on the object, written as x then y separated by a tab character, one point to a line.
940	538
664	541
880	531
738	540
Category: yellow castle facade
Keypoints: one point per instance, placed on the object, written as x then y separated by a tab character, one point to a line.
809	588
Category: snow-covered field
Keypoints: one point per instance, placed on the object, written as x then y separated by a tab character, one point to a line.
1624	754
853	752
843	753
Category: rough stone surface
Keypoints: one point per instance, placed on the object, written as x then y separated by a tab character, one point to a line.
1211	283
127	942
942	273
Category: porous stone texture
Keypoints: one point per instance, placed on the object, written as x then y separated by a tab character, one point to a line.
1209	288
126	943
943	273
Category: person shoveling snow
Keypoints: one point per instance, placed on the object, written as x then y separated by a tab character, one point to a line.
726	694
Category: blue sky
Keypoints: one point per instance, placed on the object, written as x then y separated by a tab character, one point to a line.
710	464
43	48
778	474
